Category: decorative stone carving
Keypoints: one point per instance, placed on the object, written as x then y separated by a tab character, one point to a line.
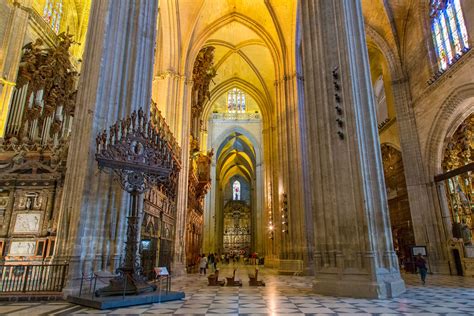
3	202
203	73
29	201
26	223
22	248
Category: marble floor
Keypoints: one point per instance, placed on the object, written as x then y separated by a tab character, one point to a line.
282	295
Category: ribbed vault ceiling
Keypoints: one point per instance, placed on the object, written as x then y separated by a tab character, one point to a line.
236	156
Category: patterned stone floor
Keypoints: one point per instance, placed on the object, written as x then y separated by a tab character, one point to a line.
282	295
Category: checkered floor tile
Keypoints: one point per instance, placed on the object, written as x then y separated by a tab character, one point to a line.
282	295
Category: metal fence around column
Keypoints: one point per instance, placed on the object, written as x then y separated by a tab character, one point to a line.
32	278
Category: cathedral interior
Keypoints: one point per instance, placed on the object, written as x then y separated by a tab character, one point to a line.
326	141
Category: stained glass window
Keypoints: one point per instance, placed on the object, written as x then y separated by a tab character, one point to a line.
52	13
236	101
449	31
236	191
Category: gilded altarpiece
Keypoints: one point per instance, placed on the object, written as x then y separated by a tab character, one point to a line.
458	164
237	227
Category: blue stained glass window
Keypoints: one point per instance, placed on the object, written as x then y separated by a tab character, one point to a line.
52	13
236	101
449	31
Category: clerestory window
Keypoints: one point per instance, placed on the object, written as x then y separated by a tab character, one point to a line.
52	13
449	31
236	101
236	191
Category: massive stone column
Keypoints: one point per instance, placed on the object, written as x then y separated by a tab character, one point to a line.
10	54
183	132
426	217
294	245
115	80
353	251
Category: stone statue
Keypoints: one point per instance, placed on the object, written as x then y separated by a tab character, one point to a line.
466	234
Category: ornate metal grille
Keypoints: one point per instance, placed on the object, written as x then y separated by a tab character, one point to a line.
141	153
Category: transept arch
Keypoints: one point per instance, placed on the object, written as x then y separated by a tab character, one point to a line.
374	38
262	101
454	110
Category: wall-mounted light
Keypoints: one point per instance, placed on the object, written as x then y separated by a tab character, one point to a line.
284	213
271	227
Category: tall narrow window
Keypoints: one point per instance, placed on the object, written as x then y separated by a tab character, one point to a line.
236	101
236	191
449	31
381	103
52	13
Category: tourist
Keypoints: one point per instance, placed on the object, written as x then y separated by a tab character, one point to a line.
420	263
203	265
216	260
210	260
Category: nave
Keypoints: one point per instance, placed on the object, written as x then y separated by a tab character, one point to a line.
282	295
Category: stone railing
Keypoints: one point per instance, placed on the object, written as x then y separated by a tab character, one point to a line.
236	116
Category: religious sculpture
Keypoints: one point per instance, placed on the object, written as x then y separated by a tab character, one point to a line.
203	73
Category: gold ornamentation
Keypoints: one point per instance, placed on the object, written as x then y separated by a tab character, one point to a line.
203	73
459	148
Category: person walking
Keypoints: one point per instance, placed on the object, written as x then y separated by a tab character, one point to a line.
210	261
203	265
420	263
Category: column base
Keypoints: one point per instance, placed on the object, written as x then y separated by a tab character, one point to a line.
360	288
442	267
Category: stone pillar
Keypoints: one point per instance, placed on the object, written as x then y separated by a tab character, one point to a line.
261	227
426	217
166	88
353	250
179	261
115	80
294	244
210	237
270	161
10	55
